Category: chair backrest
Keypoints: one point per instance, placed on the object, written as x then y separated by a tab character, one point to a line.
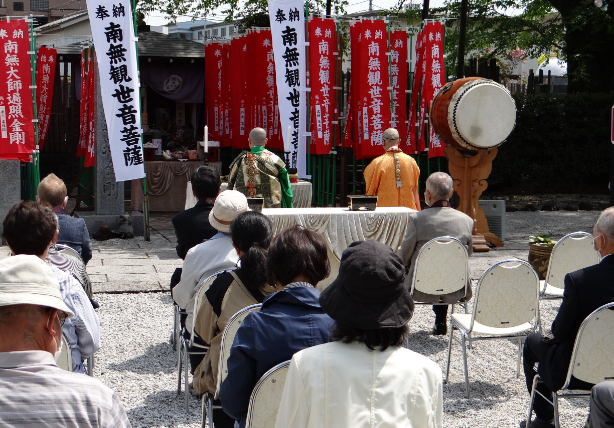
68	251
201	289
266	396
65	360
507	295
442	267
573	252
77	267
592	359
228	337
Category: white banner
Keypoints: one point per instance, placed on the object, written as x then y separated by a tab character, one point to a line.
288	32
113	34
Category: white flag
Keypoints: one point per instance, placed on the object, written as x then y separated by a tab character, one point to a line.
113	34
288	32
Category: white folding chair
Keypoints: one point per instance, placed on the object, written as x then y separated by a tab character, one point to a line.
592	359
228	336
266	396
182	349
506	306
65	360
442	267
78	270
573	252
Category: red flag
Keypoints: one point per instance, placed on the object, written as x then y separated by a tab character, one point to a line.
239	93
436	76
83	115
373	87
356	130
17	138
45	69
91	112
322	72
398	73
225	140
412	130
213	87
347	133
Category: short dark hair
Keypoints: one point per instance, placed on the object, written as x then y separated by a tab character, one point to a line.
206	182
29	228
297	251
381	338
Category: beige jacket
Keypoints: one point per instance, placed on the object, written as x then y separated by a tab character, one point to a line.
429	224
211	321
340	385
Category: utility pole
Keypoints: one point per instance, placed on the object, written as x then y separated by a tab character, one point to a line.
460	68
328	8
370	5
425	10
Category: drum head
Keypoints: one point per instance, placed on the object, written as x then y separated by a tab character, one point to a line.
485	114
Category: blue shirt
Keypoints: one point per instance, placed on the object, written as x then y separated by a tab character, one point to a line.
289	321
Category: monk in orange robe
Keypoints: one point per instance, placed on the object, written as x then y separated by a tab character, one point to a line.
393	176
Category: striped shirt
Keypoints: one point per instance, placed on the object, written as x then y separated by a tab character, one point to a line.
34	392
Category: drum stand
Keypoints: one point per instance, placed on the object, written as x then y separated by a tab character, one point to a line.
470	169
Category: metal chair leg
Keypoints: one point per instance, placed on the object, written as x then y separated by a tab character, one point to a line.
555	402
203	412
449	351
186	379
210	413
179	367
469	343
518	359
174	334
531	400
465	363
90	366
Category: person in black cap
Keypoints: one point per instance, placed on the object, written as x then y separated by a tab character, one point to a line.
365	374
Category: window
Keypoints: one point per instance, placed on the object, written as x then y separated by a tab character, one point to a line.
18	6
40	5
200	35
223	34
231	31
215	32
208	34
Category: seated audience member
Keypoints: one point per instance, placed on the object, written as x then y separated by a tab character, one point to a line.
211	256
192	226
602	406
232	291
439	220
34	392
585	290
73	231
364	377
29	229
289	321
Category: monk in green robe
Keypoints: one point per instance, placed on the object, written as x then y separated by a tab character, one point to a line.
259	173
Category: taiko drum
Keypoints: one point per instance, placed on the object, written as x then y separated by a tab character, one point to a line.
473	113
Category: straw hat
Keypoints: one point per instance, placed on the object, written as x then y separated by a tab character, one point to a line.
27	280
228	205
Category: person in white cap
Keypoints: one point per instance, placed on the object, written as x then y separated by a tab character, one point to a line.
211	256
393	176
34	391
30	228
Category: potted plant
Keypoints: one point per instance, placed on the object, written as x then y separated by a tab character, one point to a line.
540	249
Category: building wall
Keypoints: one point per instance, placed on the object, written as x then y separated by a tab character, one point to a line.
58	36
44	11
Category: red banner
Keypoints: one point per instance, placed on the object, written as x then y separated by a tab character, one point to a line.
273	128
17	138
355	105
436	77
213	88
412	130
322	72
398	79
225	140
45	77
91	111
373	87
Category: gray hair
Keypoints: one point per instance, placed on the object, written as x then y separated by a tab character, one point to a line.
605	223
440	185
257	136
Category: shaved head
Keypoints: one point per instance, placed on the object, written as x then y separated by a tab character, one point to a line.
257	136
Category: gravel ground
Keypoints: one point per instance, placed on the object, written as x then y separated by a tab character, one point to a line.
137	360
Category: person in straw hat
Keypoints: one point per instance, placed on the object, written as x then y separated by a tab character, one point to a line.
34	391
365	377
212	256
393	176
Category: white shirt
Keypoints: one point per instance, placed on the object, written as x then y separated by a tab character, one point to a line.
339	385
82	330
200	262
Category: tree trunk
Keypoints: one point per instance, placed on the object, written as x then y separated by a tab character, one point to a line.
589	46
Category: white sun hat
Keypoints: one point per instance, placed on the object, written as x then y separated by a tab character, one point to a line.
27	280
228	205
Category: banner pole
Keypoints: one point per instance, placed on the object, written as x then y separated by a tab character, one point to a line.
392	109
35	157
145	199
